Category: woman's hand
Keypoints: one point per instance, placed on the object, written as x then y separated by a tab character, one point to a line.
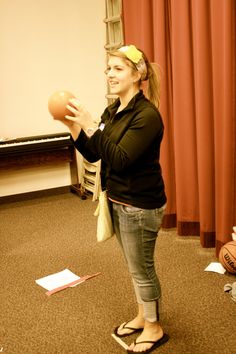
81	119
81	116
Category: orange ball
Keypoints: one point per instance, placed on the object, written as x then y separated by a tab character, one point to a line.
227	256
57	104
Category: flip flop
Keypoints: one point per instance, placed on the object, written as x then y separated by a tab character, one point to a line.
155	345
133	330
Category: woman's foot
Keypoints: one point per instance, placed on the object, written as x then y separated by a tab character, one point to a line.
151	332
130	327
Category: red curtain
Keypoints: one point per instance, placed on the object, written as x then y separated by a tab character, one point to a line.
193	41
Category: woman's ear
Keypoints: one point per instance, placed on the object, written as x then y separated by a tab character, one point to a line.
137	77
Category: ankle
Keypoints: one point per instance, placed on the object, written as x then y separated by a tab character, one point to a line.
139	320
153	326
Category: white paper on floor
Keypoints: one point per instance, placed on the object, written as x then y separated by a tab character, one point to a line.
56	280
120	341
215	267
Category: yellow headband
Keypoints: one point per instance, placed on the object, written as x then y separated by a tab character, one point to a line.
136	56
132	53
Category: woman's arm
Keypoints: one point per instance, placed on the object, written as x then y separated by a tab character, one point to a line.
144	129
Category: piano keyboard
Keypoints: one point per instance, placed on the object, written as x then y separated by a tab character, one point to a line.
17	142
33	143
41	150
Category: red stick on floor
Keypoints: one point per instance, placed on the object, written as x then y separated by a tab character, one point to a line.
76	282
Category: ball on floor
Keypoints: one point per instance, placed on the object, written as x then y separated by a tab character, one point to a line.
227	256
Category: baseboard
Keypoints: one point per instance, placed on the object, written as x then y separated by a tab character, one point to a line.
35	194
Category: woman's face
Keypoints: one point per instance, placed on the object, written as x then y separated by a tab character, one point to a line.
121	77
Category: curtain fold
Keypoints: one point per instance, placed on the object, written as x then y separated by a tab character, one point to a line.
194	44
223	29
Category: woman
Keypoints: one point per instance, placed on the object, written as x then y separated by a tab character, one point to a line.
127	141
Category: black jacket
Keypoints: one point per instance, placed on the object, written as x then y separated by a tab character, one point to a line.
129	147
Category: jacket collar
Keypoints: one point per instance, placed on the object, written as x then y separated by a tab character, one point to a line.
114	106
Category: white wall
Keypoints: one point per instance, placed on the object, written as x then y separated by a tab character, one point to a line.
45	46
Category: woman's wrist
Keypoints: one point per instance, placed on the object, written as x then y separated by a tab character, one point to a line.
90	129
75	132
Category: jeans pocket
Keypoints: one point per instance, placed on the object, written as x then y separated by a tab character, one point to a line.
160	210
130	209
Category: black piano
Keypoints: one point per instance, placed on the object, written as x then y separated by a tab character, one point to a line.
40	150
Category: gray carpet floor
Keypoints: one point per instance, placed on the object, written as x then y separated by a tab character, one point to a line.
46	235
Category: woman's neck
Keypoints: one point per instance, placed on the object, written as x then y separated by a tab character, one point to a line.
125	99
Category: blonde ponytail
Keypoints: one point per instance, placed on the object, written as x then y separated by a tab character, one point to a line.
153	85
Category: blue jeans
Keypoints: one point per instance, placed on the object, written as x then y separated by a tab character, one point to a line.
136	230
